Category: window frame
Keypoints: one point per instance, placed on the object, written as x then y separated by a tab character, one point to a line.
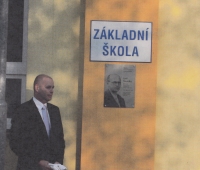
18	70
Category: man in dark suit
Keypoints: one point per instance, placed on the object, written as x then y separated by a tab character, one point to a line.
111	96
36	134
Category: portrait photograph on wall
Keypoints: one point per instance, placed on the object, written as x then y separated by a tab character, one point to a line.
119	86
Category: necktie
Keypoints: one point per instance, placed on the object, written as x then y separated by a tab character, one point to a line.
116	99
45	119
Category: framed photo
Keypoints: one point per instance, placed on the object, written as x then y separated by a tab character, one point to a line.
119	86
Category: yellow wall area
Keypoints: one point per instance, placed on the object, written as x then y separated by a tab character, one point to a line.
119	138
178	88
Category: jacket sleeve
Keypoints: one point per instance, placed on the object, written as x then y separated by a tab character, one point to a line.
15	134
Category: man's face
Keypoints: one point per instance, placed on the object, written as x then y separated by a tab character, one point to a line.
44	90
115	83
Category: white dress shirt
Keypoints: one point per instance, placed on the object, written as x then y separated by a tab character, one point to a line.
40	105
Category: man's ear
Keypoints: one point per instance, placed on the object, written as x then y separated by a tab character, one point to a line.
37	87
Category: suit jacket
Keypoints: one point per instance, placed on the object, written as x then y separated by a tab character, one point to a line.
109	100
29	139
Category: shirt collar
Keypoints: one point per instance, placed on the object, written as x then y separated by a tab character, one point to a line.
113	94
38	103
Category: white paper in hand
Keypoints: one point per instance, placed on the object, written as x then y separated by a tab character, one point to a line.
57	166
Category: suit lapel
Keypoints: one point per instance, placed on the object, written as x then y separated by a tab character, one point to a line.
39	120
112	99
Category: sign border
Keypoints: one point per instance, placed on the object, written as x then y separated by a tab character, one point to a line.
92	60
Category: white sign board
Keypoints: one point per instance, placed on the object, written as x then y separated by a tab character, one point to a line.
121	41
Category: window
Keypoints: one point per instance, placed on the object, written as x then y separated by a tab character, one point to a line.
16	55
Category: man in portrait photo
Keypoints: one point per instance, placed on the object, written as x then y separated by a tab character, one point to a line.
111	96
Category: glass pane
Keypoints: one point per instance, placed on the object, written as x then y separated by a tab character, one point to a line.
15	30
13	95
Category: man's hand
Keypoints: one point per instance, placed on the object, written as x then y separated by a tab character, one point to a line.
45	165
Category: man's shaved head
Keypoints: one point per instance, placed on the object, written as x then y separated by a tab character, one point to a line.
39	79
43	88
